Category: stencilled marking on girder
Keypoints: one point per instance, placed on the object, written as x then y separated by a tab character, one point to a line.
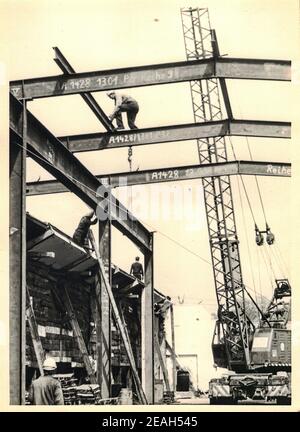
280	170
16	91
175	174
131	78
139	137
164	175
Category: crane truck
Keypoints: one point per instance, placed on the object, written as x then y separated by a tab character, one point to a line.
265	376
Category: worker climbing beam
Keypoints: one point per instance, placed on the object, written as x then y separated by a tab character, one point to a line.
52	155
189	131
275	169
235	68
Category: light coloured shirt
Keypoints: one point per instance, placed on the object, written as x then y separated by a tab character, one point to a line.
46	390
119	100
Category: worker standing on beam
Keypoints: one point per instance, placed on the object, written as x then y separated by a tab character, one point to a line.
137	269
80	235
46	390
123	103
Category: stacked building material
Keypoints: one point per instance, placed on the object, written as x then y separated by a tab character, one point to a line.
88	394
68	384
108	401
168	397
54	329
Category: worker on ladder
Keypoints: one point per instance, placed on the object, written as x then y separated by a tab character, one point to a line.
123	103
80	235
137	269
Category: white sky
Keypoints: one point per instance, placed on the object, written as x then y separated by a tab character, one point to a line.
96	35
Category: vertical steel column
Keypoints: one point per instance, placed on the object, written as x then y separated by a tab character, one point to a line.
147	322
103	328
173	348
218	196
17	266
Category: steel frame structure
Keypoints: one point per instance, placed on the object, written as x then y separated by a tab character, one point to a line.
27	134
234	68
184	132
224	244
170	174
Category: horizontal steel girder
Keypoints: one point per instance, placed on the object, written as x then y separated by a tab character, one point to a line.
135	137
235	68
52	155
277	169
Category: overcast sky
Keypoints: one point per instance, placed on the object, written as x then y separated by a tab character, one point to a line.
95	35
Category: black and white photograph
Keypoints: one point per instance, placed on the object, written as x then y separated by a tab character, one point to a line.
149	243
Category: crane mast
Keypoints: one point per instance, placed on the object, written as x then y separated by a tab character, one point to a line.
233	329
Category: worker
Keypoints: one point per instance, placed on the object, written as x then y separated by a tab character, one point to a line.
123	103
137	269
80	235
46	390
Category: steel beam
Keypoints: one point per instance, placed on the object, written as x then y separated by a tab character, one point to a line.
65	66
17	270
216	52
104	308
147	331
235	68
184	132
52	155
189	172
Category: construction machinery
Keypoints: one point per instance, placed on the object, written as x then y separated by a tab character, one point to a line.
266	376
258	357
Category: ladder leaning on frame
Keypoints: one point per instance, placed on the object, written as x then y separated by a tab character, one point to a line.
120	325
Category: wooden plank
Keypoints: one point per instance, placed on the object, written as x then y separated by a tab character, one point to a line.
36	340
77	332
162	363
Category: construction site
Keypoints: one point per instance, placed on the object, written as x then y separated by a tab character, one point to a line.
137	333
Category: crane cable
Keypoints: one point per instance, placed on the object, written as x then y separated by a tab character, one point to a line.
259	277
247	240
260	198
265	218
243	183
257	184
129	158
280	257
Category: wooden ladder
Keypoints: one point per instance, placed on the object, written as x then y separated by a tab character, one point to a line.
119	322
36	340
66	302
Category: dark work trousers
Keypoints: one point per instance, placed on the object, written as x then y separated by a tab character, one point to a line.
131	108
137	275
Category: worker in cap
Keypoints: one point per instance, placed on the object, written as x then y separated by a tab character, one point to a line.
137	269
80	235
46	390
123	103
